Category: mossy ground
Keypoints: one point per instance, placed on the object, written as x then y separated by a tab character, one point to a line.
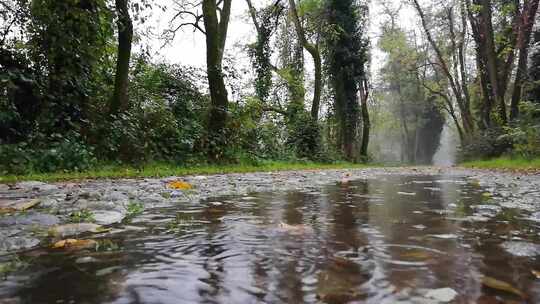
510	163
164	170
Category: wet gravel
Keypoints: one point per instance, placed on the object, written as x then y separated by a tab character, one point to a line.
107	202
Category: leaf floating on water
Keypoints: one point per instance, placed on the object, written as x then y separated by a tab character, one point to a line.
419	255
74	244
500	285
338	297
474	182
294	229
406	193
444	236
107	271
442	294
20	206
75	229
180	185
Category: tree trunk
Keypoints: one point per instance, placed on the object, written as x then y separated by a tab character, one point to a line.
459	90
491	59
120	98
524	36
216	33
364	91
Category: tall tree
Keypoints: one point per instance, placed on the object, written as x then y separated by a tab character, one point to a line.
313	50
120	98
420	120
496	42
527	18
68	41
265	22
453	65
215	16
347	56
216	24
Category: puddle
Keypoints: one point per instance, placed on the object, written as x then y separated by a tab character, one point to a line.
397	239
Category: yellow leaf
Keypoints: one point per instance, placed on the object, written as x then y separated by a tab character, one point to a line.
27	205
536	273
74	244
20	206
180	185
500	285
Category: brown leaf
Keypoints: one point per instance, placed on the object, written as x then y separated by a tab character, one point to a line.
338	298
500	285
416	255
536	273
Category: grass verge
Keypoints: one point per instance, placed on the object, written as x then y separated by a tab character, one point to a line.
505	162
164	170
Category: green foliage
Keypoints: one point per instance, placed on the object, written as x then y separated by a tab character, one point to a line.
142	134
58	153
133	209
261	51
67	39
14	159
304	135
82	216
487	144
15	263
346	60
505	162
525	134
310	7
520	139
156	170
416	119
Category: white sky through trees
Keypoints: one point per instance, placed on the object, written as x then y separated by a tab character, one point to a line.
188	47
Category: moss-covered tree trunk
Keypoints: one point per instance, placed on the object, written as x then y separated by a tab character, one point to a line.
313	50
120	98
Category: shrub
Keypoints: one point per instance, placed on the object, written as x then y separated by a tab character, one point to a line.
59	153
525	134
304	136
486	144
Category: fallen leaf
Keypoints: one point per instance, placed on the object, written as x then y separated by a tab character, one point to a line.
74	244
406	193
20	205
75	229
500	285
215	210
335	298
442	294
343	262
536	273
179	185
420	255
294	229
344	181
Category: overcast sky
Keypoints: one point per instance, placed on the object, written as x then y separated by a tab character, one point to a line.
189	48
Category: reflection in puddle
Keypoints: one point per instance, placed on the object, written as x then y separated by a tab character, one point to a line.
388	240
